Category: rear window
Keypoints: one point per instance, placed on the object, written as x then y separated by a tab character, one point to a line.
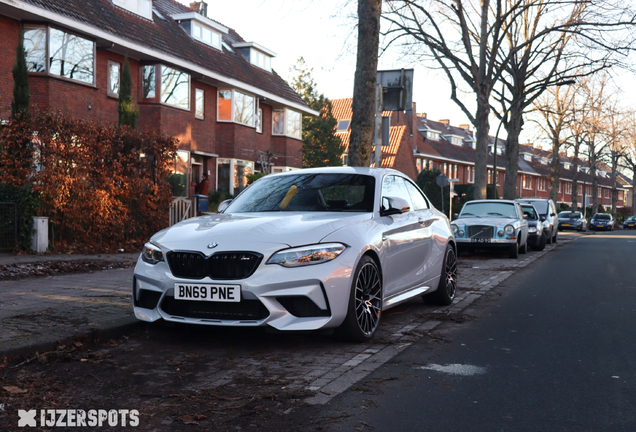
541	206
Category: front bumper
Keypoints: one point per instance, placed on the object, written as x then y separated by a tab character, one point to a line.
302	298
498	242
601	227
570	226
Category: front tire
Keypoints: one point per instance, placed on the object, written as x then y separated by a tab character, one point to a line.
447	287
524	248
365	303
513	251
541	244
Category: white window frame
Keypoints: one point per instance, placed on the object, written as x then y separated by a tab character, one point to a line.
285	121
527	182
259	121
199	107
199	37
568	188
255	58
254	117
161	89
112	63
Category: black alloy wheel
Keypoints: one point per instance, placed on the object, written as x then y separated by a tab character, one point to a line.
447	287
365	303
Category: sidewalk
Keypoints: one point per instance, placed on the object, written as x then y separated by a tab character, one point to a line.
37	312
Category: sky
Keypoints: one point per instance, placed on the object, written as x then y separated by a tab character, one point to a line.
323	32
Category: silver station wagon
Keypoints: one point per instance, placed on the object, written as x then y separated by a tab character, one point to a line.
492	224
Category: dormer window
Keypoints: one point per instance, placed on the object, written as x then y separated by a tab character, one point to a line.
142	8
527	156
202	29
432	135
566	165
206	35
454	139
256	54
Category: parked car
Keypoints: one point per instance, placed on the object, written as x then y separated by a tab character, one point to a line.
569	220
630	222
602	221
536	237
492	224
547	211
302	250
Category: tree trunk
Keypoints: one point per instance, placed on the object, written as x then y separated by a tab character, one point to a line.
512	152
363	117
482	127
555	167
633	191
575	180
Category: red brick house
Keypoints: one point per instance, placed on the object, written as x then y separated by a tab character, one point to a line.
419	143
193	78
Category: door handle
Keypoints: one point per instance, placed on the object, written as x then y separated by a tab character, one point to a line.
425	223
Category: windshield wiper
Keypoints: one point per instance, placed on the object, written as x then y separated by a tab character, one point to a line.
496	214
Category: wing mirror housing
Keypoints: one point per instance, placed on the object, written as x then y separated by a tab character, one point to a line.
223	206
395	206
542	218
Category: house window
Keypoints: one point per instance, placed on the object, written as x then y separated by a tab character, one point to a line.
343	125
568	188
148	81
238	107
345	160
560	187
259	121
541	184
180	173
261	60
470	174
432	135
206	35
455	171
418	164
69	56
139	7
232	175
199	103
113	78
599	192
527	182
35	48
175	88
287	122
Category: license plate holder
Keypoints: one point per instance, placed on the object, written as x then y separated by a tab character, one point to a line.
207	292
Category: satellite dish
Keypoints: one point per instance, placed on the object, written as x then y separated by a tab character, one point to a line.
441	180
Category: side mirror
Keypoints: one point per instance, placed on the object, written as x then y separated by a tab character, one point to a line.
525	215
224	205
396	206
455	215
542	218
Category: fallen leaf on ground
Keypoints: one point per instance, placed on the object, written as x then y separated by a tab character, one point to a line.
14	389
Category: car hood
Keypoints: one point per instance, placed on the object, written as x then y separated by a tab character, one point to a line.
247	230
569	220
499	221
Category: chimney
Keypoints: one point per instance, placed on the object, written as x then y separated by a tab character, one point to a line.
465	127
200	7
422	116
445	121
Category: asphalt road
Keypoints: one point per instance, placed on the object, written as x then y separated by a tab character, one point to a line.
557	352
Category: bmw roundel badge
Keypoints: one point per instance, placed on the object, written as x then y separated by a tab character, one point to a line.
212	245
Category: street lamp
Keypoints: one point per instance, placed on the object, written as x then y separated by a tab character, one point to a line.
494	154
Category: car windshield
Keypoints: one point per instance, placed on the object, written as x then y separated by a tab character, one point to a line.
541	206
307	193
530	211
489	209
569	215
602	216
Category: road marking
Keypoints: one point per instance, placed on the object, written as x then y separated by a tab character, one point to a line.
456	369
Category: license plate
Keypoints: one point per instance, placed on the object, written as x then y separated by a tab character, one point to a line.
566	224
479	240
630	225
207	292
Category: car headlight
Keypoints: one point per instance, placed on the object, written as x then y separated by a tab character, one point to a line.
307	255
509	229
546	224
532	230
151	254
454	228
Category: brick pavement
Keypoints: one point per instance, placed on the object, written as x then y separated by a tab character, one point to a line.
38	312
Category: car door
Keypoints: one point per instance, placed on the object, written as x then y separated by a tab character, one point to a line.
405	242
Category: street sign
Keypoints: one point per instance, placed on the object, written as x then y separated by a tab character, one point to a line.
397	87
442	180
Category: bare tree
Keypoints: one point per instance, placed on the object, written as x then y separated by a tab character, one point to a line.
363	116
629	158
520	42
555	110
618	136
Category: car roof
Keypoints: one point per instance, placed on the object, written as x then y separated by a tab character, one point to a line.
376	172
492	201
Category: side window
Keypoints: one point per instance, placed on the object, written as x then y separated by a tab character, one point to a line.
417	198
393	186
